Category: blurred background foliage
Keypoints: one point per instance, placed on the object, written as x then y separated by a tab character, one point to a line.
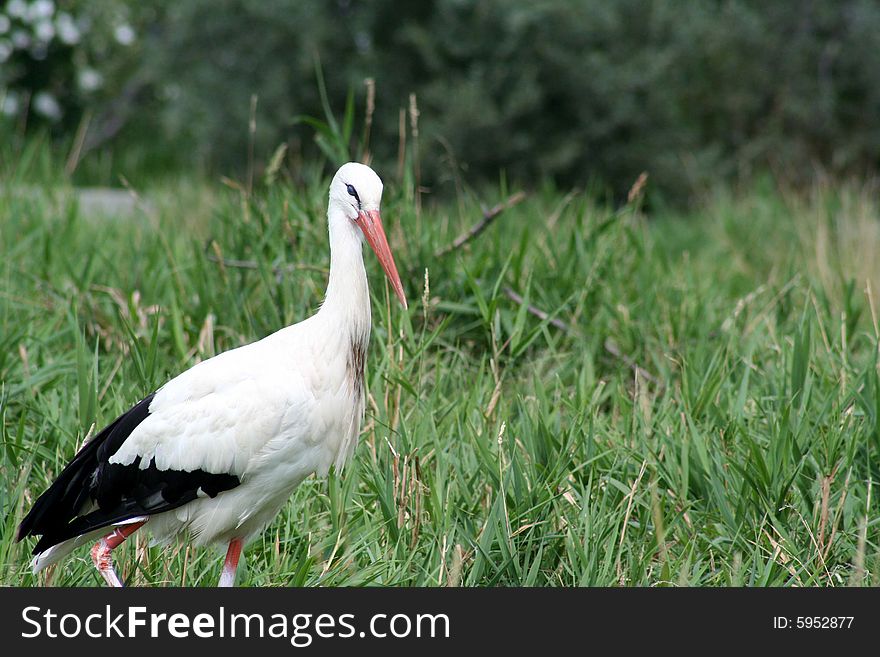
581	93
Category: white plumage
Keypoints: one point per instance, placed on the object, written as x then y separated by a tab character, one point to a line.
247	425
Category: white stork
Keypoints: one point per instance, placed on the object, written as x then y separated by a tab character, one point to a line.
216	452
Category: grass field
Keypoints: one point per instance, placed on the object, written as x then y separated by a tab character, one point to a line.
701	407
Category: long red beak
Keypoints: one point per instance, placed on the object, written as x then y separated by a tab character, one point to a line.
370	223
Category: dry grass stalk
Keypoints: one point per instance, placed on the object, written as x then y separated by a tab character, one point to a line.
77	147
252	136
370	84
458	557
540	314
858	576
414	128
638	188
488	217
837	514
277	270
823	514
609	345
401	143
629	504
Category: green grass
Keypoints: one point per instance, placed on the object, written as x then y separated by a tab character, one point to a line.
498	448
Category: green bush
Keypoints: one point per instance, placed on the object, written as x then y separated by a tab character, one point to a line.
580	91
58	59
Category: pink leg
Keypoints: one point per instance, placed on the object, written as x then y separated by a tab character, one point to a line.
102	549
227	577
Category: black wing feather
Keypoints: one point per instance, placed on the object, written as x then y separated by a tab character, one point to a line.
120	492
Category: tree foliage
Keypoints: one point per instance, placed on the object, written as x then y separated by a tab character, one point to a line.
574	91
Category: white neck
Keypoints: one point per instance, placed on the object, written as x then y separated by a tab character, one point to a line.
346	304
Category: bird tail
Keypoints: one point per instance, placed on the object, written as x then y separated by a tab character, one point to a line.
59	506
55	553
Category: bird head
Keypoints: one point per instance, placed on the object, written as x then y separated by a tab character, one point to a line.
356	191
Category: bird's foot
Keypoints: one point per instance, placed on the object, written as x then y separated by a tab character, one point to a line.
101	551
104	563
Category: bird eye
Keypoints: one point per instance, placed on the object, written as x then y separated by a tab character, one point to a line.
353	192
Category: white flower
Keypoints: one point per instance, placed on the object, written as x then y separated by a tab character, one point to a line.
5	50
9	103
362	42
41	9
124	34
17	8
67	30
44	31
5	23
90	79
21	39
39	51
45	104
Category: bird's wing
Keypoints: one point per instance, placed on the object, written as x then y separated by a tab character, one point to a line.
193	437
216	426
218	415
70	491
